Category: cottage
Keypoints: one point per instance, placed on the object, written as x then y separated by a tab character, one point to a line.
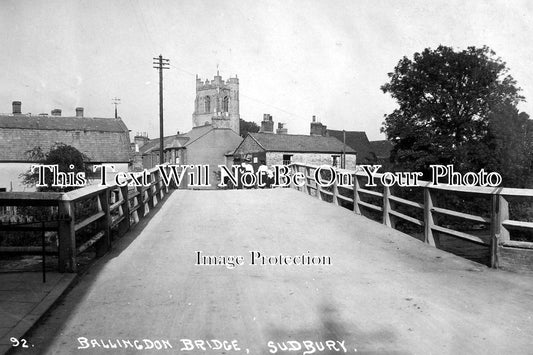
102	140
268	148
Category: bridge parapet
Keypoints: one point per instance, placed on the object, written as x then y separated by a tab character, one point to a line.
429	216
85	217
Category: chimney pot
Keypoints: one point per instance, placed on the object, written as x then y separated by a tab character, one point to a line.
267	125
56	112
79	111
17	107
281	128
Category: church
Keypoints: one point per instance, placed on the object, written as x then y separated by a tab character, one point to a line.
214	135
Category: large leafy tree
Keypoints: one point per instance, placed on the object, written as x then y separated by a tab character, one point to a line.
452	105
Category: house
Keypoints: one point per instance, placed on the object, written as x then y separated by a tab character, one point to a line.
102	140
268	148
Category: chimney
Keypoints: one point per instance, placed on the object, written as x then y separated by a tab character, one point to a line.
317	128
140	139
79	111
281	129
17	107
267	125
56	112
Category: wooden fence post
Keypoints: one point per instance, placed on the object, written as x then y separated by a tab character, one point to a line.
503	205
335	193
428	217
142	210
318	188
386	206
300	187
498	233
152	190
67	238
293	170
494	230
163	189
307	171
104	244
124	225
356	197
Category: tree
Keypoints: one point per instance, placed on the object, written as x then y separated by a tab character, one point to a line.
246	126
510	146
450	103
68	159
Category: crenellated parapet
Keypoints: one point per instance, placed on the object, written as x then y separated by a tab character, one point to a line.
217	103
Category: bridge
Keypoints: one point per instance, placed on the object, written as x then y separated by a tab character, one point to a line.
326	278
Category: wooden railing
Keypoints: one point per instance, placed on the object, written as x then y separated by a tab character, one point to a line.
504	252
93	211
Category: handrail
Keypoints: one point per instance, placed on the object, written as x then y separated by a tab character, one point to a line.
499	221
117	207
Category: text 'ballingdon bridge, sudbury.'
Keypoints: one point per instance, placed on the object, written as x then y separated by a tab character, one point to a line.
311	268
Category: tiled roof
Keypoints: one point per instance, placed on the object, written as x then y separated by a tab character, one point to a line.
153	144
176	140
299	143
196	133
63	123
356	140
102	140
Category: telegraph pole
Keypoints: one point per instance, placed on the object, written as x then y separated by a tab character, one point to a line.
161	63
116	102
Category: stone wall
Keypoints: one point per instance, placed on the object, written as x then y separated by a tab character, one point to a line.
276	158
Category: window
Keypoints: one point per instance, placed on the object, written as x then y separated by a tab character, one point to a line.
225	104
207	104
287	159
335	159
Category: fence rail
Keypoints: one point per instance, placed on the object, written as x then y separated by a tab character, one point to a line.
112	207
504	252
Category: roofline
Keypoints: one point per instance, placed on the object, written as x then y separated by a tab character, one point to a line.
258	141
307	151
242	142
85	162
67	129
345	130
190	142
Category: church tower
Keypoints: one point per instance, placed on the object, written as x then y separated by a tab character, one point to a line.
217	103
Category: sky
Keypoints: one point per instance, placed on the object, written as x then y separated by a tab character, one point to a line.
293	58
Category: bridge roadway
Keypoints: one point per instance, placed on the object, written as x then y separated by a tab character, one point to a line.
385	292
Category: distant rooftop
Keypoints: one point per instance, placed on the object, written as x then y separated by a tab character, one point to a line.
300	143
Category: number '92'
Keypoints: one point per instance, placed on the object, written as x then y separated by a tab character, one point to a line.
23	343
